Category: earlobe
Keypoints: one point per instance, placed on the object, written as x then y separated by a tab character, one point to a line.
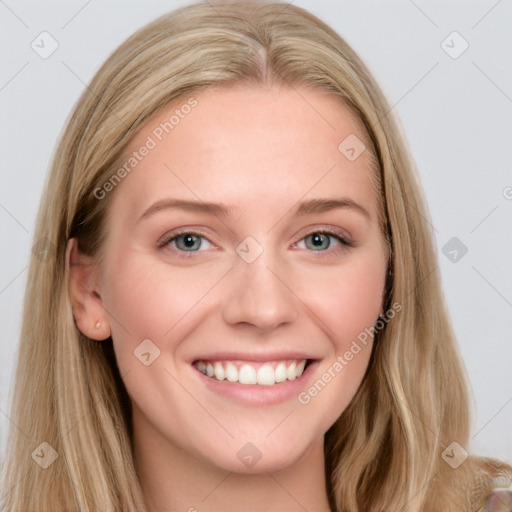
88	311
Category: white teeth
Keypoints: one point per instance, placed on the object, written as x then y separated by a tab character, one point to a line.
231	372
300	368
280	372
247	375
291	371
266	374
220	374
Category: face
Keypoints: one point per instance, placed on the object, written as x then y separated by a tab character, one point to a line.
234	324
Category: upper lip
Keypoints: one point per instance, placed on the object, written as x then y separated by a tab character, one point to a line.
255	357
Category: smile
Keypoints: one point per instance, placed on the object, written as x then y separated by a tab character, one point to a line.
249	372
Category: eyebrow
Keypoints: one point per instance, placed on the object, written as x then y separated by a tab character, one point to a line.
221	210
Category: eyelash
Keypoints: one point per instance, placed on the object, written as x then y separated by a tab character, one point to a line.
344	243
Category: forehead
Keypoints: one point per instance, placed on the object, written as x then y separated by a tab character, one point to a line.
236	144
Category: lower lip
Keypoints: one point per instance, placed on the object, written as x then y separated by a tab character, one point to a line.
254	394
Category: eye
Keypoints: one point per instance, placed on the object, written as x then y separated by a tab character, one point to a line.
321	240
186	241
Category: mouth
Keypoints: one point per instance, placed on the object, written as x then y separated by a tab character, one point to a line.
264	373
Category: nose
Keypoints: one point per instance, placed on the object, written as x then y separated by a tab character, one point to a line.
260	294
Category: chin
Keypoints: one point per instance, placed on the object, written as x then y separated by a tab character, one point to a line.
257	454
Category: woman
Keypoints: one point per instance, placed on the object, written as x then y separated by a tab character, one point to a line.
239	310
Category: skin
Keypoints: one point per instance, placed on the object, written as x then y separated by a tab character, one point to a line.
260	151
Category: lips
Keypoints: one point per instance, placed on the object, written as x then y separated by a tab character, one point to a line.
263	373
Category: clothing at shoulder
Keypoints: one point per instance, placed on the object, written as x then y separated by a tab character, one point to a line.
491	487
498	500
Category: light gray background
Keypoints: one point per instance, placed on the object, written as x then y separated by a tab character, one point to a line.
456	113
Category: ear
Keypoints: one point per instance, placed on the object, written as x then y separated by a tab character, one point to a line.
88	311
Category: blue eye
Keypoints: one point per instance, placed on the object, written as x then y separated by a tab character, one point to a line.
188	242
320	240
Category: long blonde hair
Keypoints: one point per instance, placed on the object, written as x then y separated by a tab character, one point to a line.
385	451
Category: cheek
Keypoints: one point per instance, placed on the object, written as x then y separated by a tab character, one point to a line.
347	299
147	299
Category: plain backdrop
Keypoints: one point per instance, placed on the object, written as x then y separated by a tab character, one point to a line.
451	92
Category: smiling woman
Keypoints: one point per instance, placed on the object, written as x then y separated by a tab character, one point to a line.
247	317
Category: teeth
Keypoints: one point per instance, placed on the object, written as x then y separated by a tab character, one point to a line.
231	372
280	372
291	371
266	374
247	375
219	372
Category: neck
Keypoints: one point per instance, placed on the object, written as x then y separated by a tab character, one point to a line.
173	480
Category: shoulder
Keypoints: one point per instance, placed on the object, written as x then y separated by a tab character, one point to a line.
499	500
491	489
477	485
